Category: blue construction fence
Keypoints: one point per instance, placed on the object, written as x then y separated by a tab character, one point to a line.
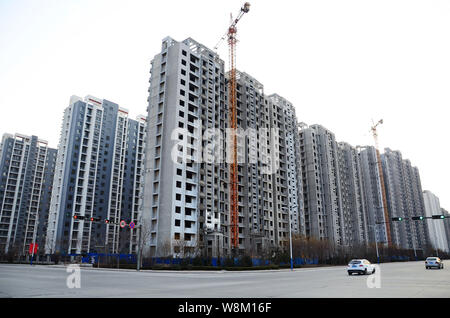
92	258
237	262
401	258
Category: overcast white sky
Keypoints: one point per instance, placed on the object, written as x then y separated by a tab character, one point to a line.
341	63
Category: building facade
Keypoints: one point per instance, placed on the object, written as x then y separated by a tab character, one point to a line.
96	177
403	188
187	190
436	227
376	221
26	176
321	184
352	195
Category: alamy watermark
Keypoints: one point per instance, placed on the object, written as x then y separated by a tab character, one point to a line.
374	280
74	279
215	146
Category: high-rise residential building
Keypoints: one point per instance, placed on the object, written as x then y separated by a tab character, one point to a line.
418	207
186	201
97	175
186	94
321	184
403	190
287	190
352	196
260	227
376	221
436	227
26	175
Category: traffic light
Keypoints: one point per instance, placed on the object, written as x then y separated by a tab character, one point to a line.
417	218
397	219
78	217
438	216
106	221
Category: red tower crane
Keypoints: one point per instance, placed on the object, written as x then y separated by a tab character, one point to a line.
383	188
232	111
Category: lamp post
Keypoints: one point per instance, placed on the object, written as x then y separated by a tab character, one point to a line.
376	241
139	225
139	247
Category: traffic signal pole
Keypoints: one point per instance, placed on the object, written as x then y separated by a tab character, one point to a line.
139	248
416	218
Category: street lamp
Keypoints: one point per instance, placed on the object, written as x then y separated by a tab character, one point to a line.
376	241
139	225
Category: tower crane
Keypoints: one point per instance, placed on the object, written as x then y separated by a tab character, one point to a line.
232	113
383	188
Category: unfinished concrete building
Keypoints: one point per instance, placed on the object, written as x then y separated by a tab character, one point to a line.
187	86
352	196
287	187
403	190
186	195
376	221
321	186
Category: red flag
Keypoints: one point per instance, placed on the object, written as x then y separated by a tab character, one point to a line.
33	246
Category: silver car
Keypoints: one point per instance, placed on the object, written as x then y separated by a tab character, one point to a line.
435	262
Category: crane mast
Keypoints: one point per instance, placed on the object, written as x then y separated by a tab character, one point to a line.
383	188
232	113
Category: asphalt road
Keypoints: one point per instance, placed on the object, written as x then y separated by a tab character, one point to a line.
409	279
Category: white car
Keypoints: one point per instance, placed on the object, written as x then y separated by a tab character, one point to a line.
436	262
360	266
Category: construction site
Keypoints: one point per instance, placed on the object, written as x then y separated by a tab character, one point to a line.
318	190
219	173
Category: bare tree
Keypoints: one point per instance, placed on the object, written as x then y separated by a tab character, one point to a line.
181	247
144	233
165	249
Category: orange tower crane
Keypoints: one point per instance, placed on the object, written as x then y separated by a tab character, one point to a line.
232	111
383	188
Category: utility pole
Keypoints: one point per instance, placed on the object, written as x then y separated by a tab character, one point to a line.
139	247
376	241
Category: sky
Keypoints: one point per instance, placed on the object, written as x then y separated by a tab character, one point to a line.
341	63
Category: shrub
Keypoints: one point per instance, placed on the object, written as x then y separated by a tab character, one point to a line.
246	261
